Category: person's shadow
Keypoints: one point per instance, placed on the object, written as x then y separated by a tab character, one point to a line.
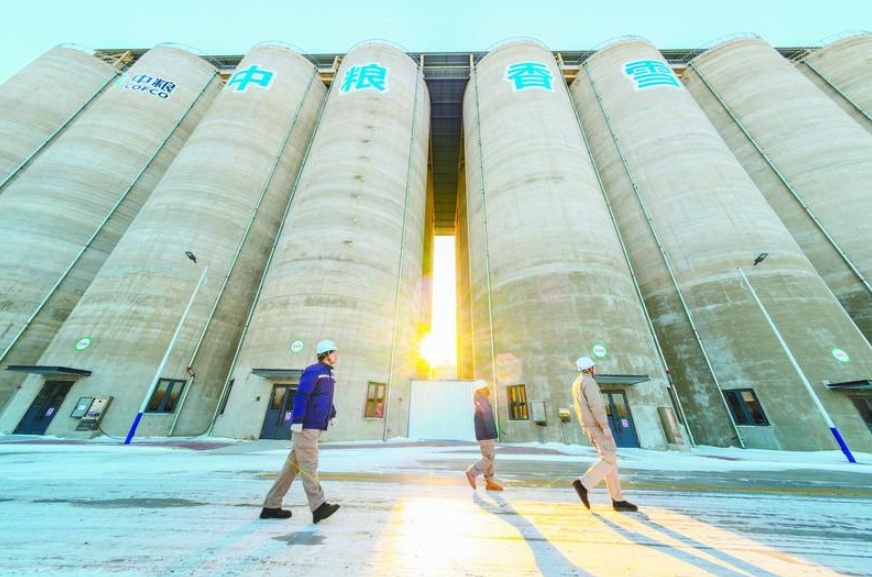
548	558
743	568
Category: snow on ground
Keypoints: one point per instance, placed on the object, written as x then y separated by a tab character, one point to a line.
169	507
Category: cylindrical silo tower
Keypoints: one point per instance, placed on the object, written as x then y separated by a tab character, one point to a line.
811	161
42	100
222	200
843	71
690	217
548	279
62	216
347	265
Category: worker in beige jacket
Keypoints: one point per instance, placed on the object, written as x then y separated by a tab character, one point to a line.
591	413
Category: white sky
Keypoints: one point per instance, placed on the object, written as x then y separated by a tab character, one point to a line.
153	509
32	27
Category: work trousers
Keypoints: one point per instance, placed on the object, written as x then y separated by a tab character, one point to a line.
485	465
303	458
607	465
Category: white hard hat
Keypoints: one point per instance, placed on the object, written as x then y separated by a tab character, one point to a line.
325	346
479	384
584	363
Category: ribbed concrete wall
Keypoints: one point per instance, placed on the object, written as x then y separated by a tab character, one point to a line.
60	219
222	199
348	264
843	71
690	215
810	159
41	100
548	280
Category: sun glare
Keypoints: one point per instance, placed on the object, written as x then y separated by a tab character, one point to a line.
439	347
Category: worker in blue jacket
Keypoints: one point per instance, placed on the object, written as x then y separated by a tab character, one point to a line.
313	412
486	434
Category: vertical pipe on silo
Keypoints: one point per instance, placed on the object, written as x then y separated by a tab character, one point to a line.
402	255
661	249
256	299
487	270
240	245
104	221
60	128
784	181
674	397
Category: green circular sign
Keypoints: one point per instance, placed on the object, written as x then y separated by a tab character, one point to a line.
841	355
83	343
297	346
599	351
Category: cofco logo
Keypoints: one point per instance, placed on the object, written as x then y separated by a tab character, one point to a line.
159	87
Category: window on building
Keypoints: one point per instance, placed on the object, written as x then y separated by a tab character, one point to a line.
375	401
517	402
746	408
165	396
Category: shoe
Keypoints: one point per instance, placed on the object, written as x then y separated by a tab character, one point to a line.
323	511
624	506
582	492
492	486
470	476
274	513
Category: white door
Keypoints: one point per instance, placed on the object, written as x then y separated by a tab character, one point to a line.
442	410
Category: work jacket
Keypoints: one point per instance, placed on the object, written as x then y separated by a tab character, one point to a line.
313	401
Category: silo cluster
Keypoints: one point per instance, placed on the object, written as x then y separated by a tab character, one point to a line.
178	238
65	213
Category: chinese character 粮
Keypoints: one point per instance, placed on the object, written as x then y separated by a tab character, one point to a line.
371	75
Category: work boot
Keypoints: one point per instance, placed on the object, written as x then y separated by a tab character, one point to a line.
582	492
470	476
492	485
323	511
624	506
274	513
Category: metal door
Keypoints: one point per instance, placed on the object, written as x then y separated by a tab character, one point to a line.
620	419
44	408
277	423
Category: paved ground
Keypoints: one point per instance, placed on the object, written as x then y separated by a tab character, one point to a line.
161	509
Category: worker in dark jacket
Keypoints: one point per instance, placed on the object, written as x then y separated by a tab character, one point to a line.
486	433
312	413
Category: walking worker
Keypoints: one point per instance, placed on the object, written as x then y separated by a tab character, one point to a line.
486	433
312	413
591	413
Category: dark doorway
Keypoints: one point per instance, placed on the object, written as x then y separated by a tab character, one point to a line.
277	422
44	408
620	419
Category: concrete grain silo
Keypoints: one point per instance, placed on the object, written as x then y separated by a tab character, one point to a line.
810	159
690	217
548	279
42	100
843	71
348	261
61	217
222	200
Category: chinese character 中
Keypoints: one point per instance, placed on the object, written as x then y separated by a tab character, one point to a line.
529	75
648	73
371	75
252	74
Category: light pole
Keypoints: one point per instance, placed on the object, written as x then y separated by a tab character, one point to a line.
796	367
156	380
